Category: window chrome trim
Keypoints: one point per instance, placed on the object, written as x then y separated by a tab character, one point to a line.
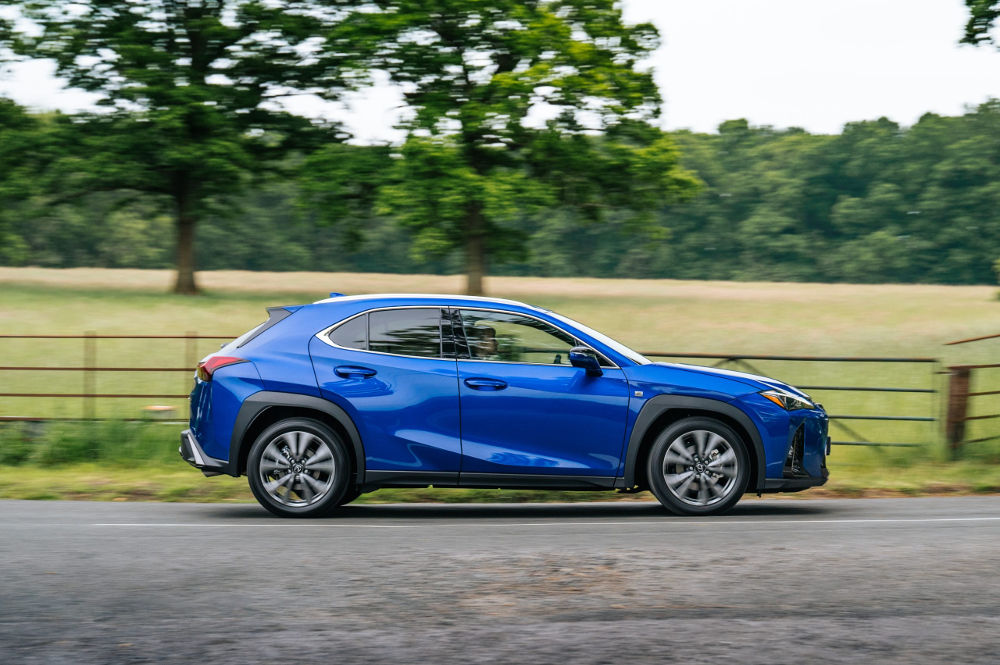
324	335
459	308
519	362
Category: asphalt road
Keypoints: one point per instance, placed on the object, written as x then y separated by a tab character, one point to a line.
775	581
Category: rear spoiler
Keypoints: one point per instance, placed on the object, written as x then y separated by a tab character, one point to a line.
275	315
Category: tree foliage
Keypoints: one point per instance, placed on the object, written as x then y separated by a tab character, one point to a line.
530	146
875	203
32	164
190	90
19	138
480	161
983	15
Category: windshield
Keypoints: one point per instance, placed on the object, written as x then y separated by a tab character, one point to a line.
634	356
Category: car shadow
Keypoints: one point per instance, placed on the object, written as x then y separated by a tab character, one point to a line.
617	510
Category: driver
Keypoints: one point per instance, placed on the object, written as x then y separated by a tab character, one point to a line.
483	343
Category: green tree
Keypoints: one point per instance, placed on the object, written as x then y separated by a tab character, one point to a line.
17	140
191	91
511	107
30	147
339	184
983	15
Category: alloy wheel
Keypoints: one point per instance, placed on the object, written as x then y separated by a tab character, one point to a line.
297	469
700	468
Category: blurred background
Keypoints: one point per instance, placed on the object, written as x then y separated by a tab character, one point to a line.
804	190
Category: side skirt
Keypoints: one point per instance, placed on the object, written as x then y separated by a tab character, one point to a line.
375	479
532	481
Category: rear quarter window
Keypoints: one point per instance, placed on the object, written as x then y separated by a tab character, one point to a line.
352	334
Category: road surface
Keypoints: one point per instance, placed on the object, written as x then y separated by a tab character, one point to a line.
775	581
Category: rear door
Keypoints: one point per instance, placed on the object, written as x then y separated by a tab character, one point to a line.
386	369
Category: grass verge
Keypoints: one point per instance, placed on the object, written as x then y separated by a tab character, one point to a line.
177	482
124	461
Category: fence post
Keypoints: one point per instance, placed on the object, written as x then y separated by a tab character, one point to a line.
958	407
190	358
89	362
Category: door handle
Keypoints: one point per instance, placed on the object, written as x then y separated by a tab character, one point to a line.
354	372
478	383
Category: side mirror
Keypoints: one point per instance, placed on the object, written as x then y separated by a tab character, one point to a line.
585	358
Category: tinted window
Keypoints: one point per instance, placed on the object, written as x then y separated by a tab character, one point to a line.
514	338
634	356
352	334
406	332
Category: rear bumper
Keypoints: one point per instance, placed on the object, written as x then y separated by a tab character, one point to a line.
772	485
192	453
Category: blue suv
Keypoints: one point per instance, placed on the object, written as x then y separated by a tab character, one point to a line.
323	402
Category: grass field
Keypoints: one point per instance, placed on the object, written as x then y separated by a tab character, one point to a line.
654	315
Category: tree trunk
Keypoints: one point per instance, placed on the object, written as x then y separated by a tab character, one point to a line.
185	284
475	251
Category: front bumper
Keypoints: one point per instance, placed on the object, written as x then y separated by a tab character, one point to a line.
805	460
192	453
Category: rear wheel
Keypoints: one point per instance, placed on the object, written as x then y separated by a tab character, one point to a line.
299	467
698	466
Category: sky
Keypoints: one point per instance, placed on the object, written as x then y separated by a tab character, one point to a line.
814	64
786	63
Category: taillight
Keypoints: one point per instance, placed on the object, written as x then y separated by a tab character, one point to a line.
207	367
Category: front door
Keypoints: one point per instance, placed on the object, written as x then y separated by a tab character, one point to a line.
526	410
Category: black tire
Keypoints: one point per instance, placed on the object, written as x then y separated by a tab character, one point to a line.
706	471
299	467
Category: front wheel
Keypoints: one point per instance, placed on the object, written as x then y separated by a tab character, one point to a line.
299	467
698	466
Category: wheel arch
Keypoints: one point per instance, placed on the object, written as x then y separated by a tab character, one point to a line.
263	409
663	410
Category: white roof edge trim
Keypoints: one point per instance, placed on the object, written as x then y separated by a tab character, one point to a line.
374	296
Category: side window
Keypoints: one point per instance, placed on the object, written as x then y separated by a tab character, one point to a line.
352	334
406	332
514	338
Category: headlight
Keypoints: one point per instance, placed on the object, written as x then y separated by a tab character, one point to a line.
788	401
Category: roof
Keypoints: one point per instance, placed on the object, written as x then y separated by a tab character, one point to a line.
423	296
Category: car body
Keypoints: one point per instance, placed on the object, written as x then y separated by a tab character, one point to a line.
353	393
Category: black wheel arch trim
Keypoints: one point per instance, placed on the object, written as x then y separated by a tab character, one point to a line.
660	404
256	404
